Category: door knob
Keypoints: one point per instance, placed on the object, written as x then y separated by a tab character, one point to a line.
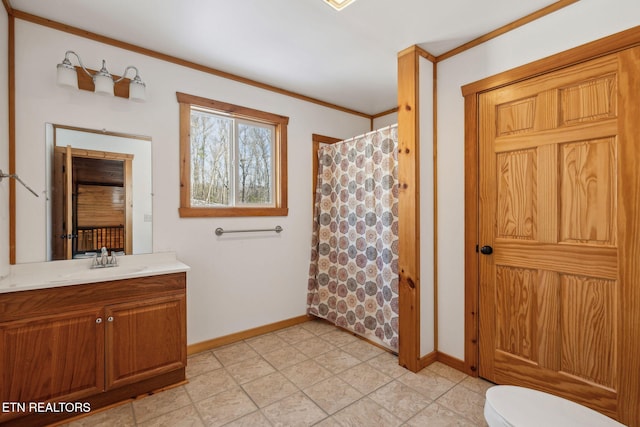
486	250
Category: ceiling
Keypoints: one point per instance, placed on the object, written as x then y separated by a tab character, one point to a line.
346	58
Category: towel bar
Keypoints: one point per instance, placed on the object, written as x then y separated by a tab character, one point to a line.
220	231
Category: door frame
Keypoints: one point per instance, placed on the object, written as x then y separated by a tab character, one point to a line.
66	200
598	48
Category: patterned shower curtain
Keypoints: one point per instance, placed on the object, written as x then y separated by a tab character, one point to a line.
353	276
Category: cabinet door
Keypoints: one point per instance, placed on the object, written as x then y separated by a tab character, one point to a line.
144	339
52	357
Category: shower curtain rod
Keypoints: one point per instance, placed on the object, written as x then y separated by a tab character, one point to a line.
369	133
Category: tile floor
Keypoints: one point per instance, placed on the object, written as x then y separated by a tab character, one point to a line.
312	374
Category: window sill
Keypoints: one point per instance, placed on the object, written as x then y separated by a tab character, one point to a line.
231	212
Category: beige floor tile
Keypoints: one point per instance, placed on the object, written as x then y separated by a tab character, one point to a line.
447	372
209	384
438	416
225	407
336	361
234	353
201	363
318	327
332	394
314	346
295	334
464	402
365	378
266	343
477	385
328	422
295	410
388	364
339	337
345	382
254	419
183	417
269	389
284	357
366	412
399	399
120	415
250	369
306	373
362	350
429	384
160	403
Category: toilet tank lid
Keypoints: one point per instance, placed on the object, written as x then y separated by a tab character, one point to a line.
526	407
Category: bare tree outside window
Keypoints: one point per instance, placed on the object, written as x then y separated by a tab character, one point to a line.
231	161
254	164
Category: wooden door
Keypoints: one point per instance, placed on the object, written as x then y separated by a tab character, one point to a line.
57	357
62	204
559	203
145	339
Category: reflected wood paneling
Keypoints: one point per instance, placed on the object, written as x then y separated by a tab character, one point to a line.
517	188
588	329
515	311
100	206
588	192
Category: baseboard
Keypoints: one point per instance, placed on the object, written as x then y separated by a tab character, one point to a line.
243	335
427	360
451	361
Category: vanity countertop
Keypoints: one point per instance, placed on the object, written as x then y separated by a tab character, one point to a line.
41	275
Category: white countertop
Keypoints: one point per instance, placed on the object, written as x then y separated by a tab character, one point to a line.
41	275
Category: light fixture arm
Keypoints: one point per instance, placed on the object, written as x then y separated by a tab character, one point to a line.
124	75
68	63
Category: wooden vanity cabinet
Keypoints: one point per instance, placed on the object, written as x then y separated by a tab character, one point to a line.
98	343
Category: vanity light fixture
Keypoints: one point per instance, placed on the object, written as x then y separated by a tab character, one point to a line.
103	80
339	4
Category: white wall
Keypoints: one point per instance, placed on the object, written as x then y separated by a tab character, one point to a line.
4	143
569	27
237	282
427	261
384	121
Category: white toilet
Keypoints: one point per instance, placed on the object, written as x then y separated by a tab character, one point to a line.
511	406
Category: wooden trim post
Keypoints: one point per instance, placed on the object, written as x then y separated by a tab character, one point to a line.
409	208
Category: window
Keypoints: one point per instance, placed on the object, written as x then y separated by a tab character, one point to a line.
233	160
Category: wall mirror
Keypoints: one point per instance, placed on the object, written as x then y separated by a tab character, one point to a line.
99	191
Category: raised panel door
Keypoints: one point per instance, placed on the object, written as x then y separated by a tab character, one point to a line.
559	206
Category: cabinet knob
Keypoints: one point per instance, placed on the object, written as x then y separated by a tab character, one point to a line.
99	320
110	319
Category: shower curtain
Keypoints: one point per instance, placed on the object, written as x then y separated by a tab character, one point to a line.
353	275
